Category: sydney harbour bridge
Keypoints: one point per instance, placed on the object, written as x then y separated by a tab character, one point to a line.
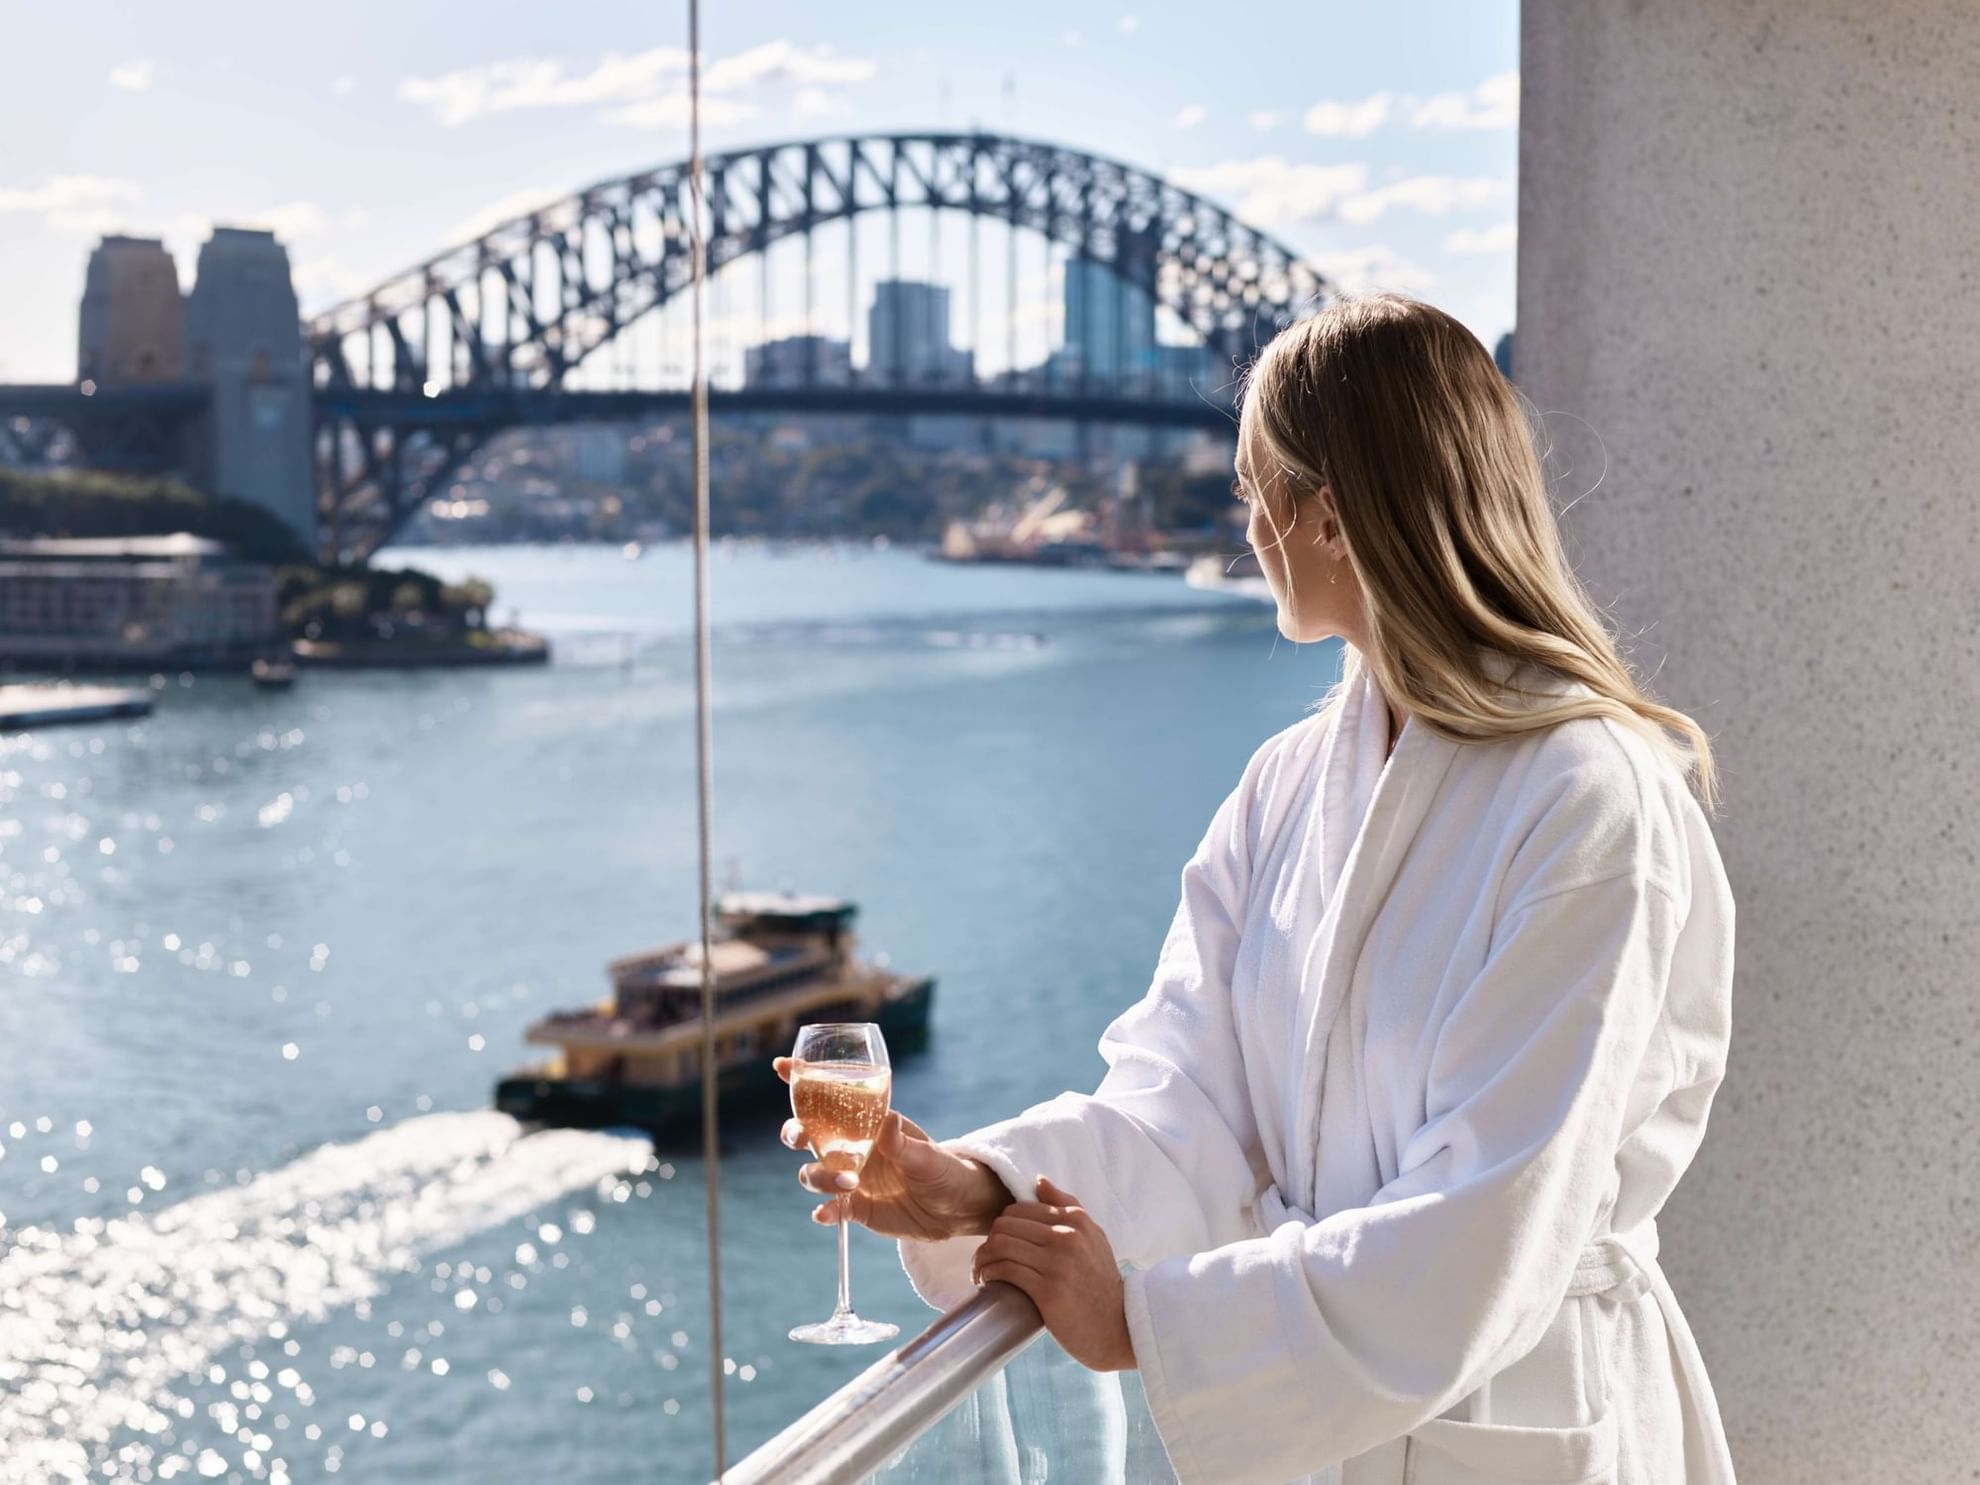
576	311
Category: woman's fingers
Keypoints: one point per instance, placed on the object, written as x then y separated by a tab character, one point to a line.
1009	1246
1053	1194
856	1207
793	1135
1010	1271
826	1181
1024	1230
1038	1211
783	1066
897	1133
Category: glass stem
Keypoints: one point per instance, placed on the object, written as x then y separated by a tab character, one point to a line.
845	1257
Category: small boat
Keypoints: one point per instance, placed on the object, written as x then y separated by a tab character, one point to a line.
1239	576
273	675
780	960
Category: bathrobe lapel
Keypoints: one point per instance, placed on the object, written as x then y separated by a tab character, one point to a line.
1389	800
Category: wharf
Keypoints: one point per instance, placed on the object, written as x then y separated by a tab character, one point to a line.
46	704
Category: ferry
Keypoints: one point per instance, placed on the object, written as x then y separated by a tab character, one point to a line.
780	960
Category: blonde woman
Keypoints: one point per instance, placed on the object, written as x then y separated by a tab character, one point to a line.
1438	1022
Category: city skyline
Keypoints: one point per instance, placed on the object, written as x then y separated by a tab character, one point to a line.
1388	161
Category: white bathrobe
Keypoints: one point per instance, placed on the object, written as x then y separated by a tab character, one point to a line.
1430	1041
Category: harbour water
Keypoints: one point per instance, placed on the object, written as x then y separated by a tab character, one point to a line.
264	954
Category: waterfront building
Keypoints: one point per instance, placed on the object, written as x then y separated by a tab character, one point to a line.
133	601
133	316
243	339
907	336
799	361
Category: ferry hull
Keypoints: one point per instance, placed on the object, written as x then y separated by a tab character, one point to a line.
597	1103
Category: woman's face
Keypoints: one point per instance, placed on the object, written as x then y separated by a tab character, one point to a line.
1300	547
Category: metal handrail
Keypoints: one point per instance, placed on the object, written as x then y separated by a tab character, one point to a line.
899	1398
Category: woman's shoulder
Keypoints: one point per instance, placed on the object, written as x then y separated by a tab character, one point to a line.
1592	798
1287	754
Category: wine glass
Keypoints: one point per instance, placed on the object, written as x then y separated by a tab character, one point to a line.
840	1082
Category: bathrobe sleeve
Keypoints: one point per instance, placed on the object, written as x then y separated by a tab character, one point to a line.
1274	1356
1161	1152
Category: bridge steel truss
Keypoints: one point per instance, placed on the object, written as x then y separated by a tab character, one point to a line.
413	377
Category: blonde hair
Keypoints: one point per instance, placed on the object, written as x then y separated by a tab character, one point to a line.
1428	453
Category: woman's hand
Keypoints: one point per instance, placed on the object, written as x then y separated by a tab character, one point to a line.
1057	1254
910	1187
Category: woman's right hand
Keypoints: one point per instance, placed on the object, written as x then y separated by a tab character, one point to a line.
910	1187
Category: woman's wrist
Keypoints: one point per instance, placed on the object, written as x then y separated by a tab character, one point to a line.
987	1199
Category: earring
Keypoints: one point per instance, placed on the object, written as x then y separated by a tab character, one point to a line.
1334	573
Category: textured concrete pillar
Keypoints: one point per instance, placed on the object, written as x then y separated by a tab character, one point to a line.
1749	280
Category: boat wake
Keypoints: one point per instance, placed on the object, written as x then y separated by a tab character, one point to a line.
97	1325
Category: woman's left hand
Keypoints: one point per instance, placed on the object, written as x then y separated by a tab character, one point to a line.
1057	1254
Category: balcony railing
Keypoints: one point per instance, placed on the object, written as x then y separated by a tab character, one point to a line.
900	1397
971	1401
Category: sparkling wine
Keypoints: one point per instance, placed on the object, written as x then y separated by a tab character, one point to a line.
842	1106
839	1088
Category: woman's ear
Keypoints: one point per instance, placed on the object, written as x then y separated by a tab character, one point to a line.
1329	535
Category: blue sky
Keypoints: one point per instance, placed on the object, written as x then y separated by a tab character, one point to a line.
1381	141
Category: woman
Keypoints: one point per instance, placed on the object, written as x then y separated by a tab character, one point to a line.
1438	1022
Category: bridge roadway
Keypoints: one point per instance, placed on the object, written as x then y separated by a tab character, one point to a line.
489	409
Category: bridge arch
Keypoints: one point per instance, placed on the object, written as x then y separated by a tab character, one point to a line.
412	376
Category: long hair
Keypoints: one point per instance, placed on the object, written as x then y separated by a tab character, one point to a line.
1399	411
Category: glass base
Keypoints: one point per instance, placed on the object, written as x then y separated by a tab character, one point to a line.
845	1330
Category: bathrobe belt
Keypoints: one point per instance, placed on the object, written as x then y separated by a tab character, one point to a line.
1620	1263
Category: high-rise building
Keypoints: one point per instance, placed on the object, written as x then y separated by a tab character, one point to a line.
907	336
798	361
1110	323
133	318
244	340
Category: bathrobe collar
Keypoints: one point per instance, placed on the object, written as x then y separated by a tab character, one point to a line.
1390	800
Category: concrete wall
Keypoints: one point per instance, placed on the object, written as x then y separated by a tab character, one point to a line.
1750	260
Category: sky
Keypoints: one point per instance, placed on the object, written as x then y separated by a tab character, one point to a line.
1380	141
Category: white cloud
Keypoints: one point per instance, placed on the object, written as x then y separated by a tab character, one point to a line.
670	111
327	280
1263	119
288	221
1431	194
76	203
1341	120
1502	238
1191	116
1373	267
1272	190
135	76
1129	23
506	209
343	87
1493	104
781	61
1072	38
58	193
648	88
